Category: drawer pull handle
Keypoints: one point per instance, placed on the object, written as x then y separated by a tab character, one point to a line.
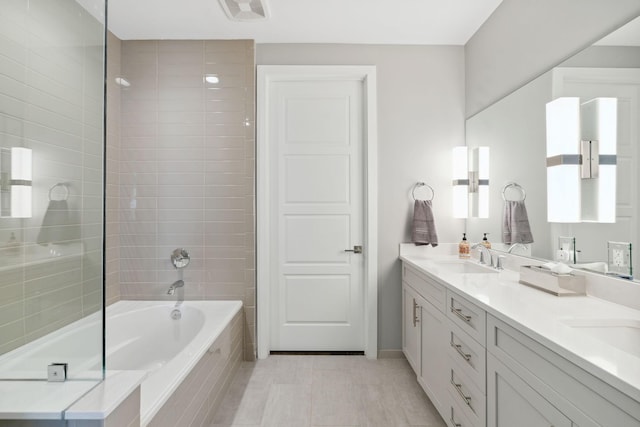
458	388
458	347
458	312
415	313
453	421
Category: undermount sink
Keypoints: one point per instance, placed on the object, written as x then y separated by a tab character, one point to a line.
465	267
623	334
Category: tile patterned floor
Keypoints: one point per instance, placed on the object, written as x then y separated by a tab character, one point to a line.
311	391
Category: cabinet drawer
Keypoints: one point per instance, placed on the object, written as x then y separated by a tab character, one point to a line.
428	288
456	416
471	318
585	399
472	401
467	355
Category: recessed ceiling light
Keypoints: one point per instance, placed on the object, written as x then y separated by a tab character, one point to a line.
245	10
210	78
122	82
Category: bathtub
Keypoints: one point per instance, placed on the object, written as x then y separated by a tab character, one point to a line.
168	349
142	336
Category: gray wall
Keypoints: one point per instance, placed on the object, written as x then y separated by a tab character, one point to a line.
420	117
524	38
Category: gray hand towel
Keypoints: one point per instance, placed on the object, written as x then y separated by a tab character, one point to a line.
515	223
424	227
58	225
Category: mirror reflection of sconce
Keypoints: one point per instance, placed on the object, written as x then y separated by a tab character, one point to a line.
15	182
471	182
21	177
581	160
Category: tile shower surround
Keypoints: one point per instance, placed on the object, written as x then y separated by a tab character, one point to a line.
186	169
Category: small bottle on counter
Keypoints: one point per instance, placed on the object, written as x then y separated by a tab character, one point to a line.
486	242
13	246
464	250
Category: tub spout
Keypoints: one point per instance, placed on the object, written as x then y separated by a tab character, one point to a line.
176	284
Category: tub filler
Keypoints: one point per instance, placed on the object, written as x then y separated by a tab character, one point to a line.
189	355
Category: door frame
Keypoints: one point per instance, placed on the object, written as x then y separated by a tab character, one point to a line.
266	76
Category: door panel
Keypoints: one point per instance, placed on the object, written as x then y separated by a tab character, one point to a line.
317	288
317	299
328	232
317	120
303	186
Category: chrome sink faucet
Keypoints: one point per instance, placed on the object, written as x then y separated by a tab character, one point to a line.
485	254
517	245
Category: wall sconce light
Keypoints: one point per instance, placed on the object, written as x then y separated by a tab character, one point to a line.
479	182
599	124
470	182
21	177
581	160
460	168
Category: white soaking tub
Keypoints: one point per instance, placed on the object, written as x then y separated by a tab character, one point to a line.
141	336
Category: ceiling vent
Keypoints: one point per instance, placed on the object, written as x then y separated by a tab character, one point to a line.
245	10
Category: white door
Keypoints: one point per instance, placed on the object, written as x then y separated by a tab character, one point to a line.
315	137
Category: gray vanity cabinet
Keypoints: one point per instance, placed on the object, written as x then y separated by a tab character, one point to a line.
515	403
424	340
411	327
448	354
480	370
526	377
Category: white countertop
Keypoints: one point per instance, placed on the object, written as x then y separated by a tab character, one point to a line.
541	315
73	399
107	396
39	400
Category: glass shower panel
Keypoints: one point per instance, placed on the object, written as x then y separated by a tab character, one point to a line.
52	60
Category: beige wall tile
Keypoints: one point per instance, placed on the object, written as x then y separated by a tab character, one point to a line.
189	190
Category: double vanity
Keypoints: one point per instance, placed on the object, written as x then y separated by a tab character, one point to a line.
489	351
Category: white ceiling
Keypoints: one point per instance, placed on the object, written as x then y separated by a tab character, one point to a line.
450	22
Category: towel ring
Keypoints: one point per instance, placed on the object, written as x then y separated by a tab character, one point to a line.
66	191
422	184
517	187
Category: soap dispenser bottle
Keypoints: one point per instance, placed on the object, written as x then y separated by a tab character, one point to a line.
485	242
464	250
13	246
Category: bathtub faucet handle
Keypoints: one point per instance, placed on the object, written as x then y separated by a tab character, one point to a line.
176	284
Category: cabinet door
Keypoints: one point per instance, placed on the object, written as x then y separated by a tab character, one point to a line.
435	375
511	402
411	327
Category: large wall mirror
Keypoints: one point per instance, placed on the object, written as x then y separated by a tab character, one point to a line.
516	129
